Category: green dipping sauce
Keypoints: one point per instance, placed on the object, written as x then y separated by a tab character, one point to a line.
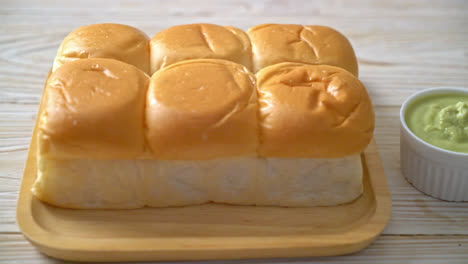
440	120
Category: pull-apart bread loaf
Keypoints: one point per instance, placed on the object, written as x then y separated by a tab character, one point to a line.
200	130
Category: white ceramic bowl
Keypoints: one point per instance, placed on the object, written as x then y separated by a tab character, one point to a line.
435	171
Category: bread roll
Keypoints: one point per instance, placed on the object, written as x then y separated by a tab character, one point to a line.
94	109
112	41
202	109
199	41
276	43
312	111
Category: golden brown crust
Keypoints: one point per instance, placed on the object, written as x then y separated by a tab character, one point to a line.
312	111
202	109
112	41
276	43
200	41
94	109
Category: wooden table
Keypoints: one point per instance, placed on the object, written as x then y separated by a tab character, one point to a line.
402	46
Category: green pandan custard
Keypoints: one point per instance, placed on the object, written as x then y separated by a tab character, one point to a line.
440	120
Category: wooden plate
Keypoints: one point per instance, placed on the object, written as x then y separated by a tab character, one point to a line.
210	231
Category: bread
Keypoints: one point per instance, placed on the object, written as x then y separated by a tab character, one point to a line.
94	109
320	45
199	41
232	180
87	183
312	111
111	41
93	116
202	109
305	182
201	130
254	181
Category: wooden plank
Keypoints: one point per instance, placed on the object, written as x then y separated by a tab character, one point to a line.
387	249
206	9
396	58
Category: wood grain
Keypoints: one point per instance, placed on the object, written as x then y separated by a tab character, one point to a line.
388	249
402	46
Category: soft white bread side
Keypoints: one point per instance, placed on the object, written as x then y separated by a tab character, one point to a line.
200	41
202	109
126	184
286	182
111	41
312	111
188	182
90	183
302	182
276	43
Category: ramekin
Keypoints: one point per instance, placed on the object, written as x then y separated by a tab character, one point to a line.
440	173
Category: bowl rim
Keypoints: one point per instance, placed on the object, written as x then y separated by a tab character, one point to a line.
421	93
